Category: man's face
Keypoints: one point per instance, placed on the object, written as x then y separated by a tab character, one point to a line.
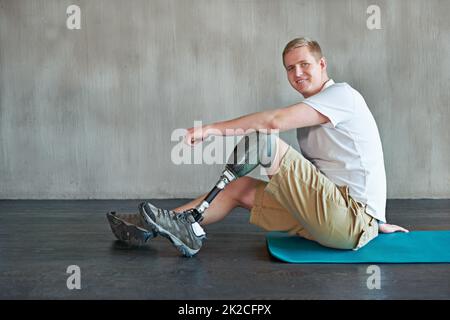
305	73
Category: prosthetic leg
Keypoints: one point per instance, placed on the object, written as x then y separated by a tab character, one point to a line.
252	150
183	229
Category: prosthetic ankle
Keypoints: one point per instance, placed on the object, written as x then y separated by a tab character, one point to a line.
255	149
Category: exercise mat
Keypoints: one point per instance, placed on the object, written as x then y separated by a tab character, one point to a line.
399	247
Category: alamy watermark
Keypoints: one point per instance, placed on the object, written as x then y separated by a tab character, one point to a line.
74	280
73	17
216	148
373	22
374	280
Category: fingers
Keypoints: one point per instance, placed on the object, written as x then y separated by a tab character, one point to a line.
398	228
390	228
193	136
191	140
188	139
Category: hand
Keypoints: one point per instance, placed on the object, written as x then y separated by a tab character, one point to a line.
195	135
390	228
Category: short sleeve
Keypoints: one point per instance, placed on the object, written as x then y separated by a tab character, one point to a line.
336	103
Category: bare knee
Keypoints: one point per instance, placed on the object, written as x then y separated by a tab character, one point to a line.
243	191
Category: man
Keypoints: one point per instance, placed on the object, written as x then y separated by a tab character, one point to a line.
334	194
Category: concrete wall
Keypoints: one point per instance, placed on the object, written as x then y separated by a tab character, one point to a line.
89	113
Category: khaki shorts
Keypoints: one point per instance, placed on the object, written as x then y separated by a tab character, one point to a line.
299	199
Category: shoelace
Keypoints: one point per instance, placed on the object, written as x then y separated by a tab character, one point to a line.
183	216
175	216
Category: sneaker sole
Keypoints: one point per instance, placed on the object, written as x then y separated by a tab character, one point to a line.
127	232
185	250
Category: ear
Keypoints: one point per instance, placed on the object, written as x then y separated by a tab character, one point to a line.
323	63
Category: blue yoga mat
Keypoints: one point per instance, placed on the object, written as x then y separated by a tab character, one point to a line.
412	247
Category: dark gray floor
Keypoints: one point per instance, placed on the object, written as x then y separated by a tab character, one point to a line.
40	239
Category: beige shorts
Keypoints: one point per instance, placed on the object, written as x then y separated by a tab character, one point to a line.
299	199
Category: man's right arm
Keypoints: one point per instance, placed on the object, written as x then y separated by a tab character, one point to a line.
296	116
299	115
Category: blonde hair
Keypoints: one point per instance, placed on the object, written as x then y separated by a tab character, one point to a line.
313	46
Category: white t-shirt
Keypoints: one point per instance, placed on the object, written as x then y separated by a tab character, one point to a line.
348	148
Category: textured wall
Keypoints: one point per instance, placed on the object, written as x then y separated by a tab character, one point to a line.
89	113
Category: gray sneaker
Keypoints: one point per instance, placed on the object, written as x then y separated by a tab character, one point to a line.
180	228
129	228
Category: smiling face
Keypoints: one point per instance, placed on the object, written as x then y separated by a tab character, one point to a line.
306	73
